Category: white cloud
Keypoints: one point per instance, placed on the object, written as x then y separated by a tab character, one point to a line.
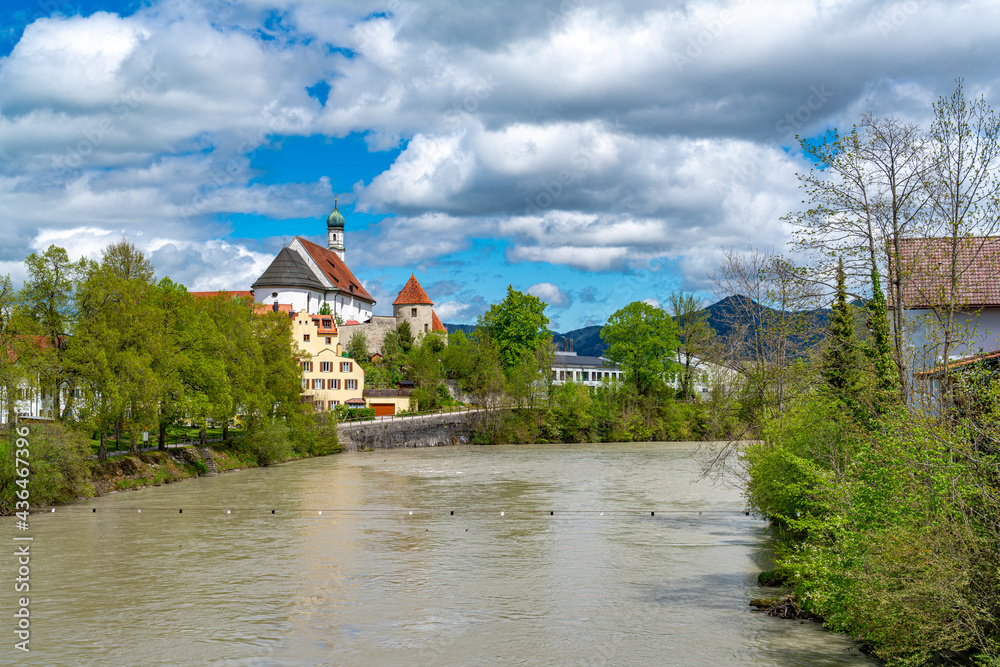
598	138
549	293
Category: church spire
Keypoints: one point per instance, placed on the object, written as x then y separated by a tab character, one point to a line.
335	231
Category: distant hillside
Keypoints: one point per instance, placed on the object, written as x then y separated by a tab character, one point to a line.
722	316
726	314
586	341
467	328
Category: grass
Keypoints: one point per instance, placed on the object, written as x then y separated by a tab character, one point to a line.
175	435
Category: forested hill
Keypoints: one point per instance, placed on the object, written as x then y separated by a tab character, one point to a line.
721	316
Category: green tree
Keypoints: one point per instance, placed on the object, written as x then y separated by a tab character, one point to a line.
642	339
695	334
357	347
867	194
47	295
518	325
13	327
458	357
404	335
841	363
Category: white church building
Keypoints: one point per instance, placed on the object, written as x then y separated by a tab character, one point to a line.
307	276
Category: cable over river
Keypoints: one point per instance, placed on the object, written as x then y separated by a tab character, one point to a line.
517	555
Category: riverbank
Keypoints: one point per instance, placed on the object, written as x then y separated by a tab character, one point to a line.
59	469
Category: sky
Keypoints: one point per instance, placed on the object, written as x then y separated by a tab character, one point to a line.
589	153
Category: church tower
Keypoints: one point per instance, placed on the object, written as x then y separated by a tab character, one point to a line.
335	231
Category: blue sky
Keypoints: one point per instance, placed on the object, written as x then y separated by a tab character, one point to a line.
592	153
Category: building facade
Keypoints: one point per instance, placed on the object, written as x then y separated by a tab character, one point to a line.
567	366
329	378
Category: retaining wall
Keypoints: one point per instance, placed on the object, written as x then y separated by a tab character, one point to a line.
432	431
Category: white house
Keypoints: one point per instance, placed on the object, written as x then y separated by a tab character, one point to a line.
926	285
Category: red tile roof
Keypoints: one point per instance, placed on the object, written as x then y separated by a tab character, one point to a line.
335	270
210	295
436	323
330	329
265	308
926	266
352	322
412	294
962	363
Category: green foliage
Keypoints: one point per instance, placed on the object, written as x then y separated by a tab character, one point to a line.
642	339
357	348
324	309
268	445
880	351
360	413
58	466
517	324
841	364
695	335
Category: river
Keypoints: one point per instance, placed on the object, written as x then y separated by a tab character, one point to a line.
387	575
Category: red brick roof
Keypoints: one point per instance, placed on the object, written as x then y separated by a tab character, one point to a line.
412	294
335	270
436	323
926	267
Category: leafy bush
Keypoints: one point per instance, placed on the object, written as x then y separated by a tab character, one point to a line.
58	465
268	445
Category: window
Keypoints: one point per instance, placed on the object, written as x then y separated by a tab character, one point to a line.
326	324
346	366
334	404
317	384
305	338
305	383
334	383
307	366
562	376
329	340
425	327
555	376
351	384
413	312
585	376
325	366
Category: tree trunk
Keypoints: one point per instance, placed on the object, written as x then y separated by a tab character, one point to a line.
103	452
225	432
133	440
162	438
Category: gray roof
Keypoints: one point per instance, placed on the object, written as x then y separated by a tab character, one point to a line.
289	270
571	360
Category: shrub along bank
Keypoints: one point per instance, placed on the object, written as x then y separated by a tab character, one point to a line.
61	470
614	413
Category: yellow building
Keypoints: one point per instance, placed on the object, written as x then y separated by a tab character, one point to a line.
329	378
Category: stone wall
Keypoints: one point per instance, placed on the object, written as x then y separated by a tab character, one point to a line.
433	431
374	331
